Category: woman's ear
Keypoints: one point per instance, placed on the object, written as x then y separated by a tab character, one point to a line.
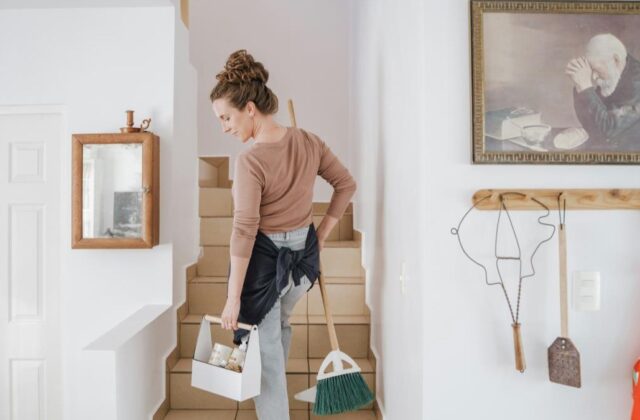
251	108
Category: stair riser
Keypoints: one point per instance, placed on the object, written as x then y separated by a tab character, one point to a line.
207	298
296	382
214	172
215	202
341	262
293	415
306	340
184	396
217	230
336	262
214	261
345	299
210	298
354	340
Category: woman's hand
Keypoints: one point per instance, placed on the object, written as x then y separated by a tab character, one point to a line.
230	314
324	228
321	243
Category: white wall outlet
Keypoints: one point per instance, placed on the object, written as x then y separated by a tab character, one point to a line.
586	290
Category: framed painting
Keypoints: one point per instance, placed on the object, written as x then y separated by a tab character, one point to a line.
555	82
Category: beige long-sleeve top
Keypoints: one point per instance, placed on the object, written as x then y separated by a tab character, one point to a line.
273	187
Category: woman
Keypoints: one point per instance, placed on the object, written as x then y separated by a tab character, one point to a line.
274	245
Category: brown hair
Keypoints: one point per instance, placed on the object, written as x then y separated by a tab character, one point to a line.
242	80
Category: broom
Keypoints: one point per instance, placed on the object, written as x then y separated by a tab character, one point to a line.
342	389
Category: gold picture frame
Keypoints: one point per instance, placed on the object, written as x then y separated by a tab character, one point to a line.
520	88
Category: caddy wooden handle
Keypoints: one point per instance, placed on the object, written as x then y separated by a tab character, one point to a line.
564	311
521	365
333	337
218	320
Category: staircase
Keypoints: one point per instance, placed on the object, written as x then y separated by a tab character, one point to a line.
207	291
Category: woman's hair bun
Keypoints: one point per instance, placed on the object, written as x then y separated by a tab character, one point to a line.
242	80
242	68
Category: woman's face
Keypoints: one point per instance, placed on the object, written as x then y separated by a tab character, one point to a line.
238	123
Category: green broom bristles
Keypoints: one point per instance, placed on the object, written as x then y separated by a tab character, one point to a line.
340	394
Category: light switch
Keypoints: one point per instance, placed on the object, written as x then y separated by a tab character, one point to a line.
586	290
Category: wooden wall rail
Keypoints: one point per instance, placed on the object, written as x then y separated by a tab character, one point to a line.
577	199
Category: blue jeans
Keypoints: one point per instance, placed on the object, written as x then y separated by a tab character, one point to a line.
275	337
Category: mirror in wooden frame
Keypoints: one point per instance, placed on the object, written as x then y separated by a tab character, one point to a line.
116	190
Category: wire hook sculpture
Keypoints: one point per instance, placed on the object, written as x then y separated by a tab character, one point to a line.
520	363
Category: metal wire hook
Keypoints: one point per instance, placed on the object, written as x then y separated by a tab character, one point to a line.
502	197
562	215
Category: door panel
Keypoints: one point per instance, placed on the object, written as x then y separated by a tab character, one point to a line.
30	357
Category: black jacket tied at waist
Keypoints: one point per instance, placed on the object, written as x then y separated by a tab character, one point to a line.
268	274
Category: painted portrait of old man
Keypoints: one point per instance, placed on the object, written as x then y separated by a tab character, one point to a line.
556	82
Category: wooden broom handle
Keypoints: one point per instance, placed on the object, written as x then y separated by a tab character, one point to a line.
333	337
217	320
292	114
521	364
564	311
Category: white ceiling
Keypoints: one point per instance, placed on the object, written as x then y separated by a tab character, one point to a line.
61	4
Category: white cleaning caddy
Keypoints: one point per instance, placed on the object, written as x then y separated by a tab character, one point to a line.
238	386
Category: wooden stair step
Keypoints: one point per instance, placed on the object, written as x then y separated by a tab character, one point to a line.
293	415
353	339
201	415
299	338
293	365
197	318
337	261
216	230
207	298
251	415
354	415
343	244
330	280
184	396
345	300
311	365
215	202
301	319
214	261
340	319
210	279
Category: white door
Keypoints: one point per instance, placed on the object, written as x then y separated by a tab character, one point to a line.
30	357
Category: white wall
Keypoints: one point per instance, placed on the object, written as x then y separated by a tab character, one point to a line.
184	150
76	57
303	45
468	350
387	158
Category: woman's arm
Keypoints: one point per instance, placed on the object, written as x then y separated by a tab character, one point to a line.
344	186
247	194
234	290
324	228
